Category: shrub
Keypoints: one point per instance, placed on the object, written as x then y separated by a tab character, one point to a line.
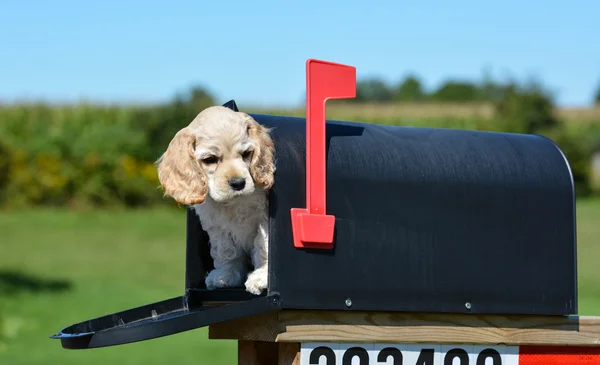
88	155
526	109
4	169
578	154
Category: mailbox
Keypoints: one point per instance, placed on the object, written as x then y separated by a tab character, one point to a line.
421	219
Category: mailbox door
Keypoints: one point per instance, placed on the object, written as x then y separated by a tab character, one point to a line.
163	318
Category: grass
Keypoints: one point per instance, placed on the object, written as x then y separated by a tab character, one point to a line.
59	267
111	261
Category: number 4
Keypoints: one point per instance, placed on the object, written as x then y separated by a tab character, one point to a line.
426	357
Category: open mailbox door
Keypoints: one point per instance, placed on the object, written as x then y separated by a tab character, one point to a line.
198	307
165	318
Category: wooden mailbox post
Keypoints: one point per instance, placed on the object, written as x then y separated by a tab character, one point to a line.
391	245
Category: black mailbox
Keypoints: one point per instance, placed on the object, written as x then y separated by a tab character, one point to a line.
426	220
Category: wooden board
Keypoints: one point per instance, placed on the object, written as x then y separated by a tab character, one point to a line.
362	327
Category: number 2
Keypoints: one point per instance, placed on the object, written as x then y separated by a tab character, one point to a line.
390	351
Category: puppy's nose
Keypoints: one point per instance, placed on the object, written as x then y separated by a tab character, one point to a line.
237	183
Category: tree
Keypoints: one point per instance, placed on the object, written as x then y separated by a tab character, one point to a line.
597	96
4	176
526	109
373	90
456	91
410	89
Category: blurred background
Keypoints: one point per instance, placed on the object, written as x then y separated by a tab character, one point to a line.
92	92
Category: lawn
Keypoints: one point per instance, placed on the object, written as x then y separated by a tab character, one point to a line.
58	268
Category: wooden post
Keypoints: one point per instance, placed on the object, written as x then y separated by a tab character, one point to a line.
268	353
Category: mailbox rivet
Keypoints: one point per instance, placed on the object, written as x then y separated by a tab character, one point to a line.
348	302
468	305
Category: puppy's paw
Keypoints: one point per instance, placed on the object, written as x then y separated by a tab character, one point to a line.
257	281
222	278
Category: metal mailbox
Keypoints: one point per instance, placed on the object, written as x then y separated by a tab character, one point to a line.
425	220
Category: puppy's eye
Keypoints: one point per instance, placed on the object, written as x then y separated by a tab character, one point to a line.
246	154
210	160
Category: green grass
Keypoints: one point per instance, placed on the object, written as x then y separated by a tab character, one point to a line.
117	260
113	261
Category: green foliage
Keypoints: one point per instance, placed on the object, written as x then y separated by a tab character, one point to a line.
578	154
373	90
526	109
4	170
88	155
456	91
410	89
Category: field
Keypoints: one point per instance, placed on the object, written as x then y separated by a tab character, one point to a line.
427	112
59	267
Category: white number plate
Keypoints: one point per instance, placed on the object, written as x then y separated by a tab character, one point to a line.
398	354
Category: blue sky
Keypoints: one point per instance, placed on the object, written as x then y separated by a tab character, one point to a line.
255	52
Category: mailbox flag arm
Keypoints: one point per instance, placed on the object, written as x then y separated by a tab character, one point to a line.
311	226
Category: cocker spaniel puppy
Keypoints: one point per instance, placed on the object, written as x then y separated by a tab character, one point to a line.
222	164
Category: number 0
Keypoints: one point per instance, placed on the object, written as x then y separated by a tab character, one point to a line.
460	353
489	353
316	354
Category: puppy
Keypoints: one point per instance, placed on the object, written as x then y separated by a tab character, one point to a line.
222	165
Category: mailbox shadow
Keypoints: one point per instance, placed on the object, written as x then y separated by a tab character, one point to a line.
344	129
337	130
15	282
340	130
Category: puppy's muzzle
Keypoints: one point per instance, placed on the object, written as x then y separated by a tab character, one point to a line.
237	183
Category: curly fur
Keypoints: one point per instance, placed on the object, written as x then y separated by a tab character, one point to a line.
199	168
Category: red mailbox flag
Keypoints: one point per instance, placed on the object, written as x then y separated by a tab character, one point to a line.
311	226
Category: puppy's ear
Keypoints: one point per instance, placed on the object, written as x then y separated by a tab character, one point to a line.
179	172
262	166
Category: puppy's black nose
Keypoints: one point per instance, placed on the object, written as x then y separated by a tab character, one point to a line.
237	183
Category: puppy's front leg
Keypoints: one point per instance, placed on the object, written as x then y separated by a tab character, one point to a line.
230	266
258	279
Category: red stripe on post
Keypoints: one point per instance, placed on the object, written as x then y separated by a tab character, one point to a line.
311	226
559	355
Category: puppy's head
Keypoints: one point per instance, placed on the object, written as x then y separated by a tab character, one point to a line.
222	153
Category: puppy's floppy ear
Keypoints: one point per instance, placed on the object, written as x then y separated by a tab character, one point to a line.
179	172
262	166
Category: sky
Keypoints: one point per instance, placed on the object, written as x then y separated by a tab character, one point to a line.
255	51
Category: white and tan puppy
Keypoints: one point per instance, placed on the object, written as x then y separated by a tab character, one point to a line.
222	165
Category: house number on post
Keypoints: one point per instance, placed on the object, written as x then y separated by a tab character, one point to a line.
398	354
